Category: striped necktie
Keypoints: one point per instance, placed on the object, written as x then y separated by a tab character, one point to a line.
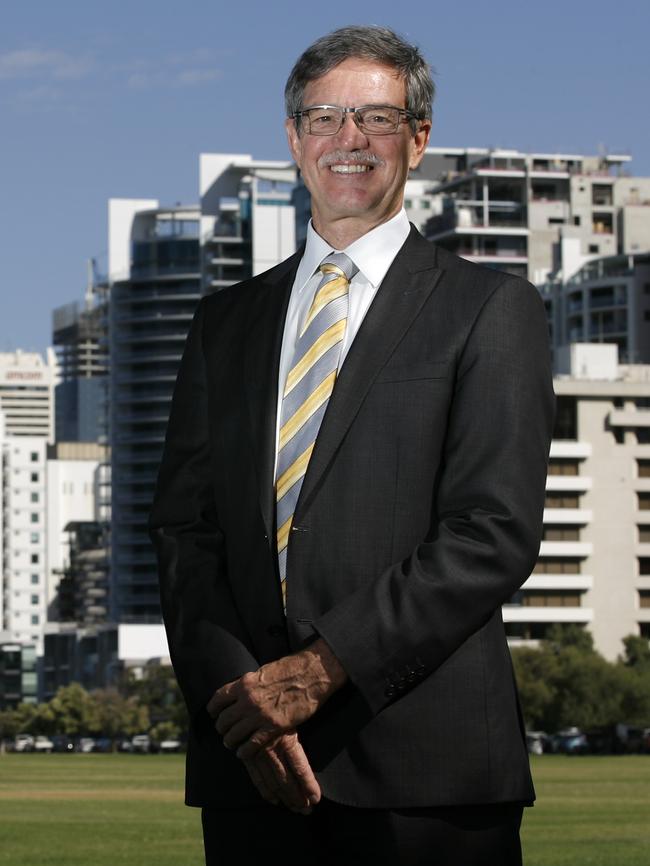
309	385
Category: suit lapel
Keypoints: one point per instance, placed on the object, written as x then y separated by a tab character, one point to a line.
407	285
261	363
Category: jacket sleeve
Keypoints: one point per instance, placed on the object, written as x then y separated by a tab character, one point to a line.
404	624
207	641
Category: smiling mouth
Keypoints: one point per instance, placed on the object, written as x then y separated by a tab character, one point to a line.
350	169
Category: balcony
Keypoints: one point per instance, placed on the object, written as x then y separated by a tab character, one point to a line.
570	516
571	450
559	581
568	483
566	548
521	613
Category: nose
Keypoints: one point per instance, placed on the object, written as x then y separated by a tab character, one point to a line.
350	136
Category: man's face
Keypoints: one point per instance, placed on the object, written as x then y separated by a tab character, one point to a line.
374	194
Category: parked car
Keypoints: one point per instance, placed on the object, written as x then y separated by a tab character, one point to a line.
141	743
103	744
43	744
537	742
169	746
570	741
23	743
86	745
63	743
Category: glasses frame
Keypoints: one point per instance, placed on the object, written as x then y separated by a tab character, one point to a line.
405	116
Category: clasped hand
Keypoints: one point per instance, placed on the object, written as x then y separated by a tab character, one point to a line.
257	715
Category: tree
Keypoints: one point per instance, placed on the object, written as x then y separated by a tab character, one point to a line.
71	711
637	651
158	690
118	716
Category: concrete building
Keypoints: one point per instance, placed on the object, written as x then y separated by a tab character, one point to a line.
605	301
247	217
23	547
72	493
594	563
80	340
27	383
537	215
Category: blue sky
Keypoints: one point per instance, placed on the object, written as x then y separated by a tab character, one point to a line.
118	99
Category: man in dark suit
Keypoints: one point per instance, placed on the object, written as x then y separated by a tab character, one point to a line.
352	485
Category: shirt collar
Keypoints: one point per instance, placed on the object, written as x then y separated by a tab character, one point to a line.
372	253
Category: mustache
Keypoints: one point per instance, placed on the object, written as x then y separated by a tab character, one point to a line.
363	157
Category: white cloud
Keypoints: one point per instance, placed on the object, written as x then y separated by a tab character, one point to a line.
192	77
40	63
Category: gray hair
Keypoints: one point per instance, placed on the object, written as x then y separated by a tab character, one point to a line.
370	43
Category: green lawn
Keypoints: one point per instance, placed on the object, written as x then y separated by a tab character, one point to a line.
127	810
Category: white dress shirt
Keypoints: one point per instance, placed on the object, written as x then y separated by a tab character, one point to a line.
373	254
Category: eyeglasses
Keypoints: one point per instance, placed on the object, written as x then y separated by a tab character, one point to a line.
371	119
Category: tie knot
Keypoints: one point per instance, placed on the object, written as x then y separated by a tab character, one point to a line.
339	263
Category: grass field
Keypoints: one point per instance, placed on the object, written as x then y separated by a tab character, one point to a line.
127	810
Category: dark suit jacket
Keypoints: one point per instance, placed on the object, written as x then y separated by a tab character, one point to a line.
419	516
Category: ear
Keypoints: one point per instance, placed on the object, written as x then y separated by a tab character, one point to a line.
419	143
294	140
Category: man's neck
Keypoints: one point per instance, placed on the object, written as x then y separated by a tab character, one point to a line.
339	234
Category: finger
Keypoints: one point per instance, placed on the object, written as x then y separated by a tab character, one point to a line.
227	717
257	741
285	782
297	762
243	730
222	698
261	784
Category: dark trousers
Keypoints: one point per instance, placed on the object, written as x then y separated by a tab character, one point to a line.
485	835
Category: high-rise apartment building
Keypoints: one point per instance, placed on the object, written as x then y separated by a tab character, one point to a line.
23	548
161	260
594	561
155	284
537	215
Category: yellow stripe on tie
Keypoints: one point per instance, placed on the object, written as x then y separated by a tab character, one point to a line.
330	292
333	335
283	534
311	404
292	473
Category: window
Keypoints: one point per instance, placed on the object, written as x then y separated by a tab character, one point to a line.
34	456
576	220
34	599
550	598
561	532
34	578
566	418
562	500
34	497
643	468
594	248
34	477
563	467
33	517
644	501
35	619
408	202
644	565
644	598
557	566
34	559
34	537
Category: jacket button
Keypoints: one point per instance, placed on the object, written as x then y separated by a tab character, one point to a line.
390	692
275	630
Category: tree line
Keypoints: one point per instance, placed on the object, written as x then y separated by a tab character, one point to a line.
565	682
149	703
562	682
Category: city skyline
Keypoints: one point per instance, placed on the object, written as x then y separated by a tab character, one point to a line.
120	102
